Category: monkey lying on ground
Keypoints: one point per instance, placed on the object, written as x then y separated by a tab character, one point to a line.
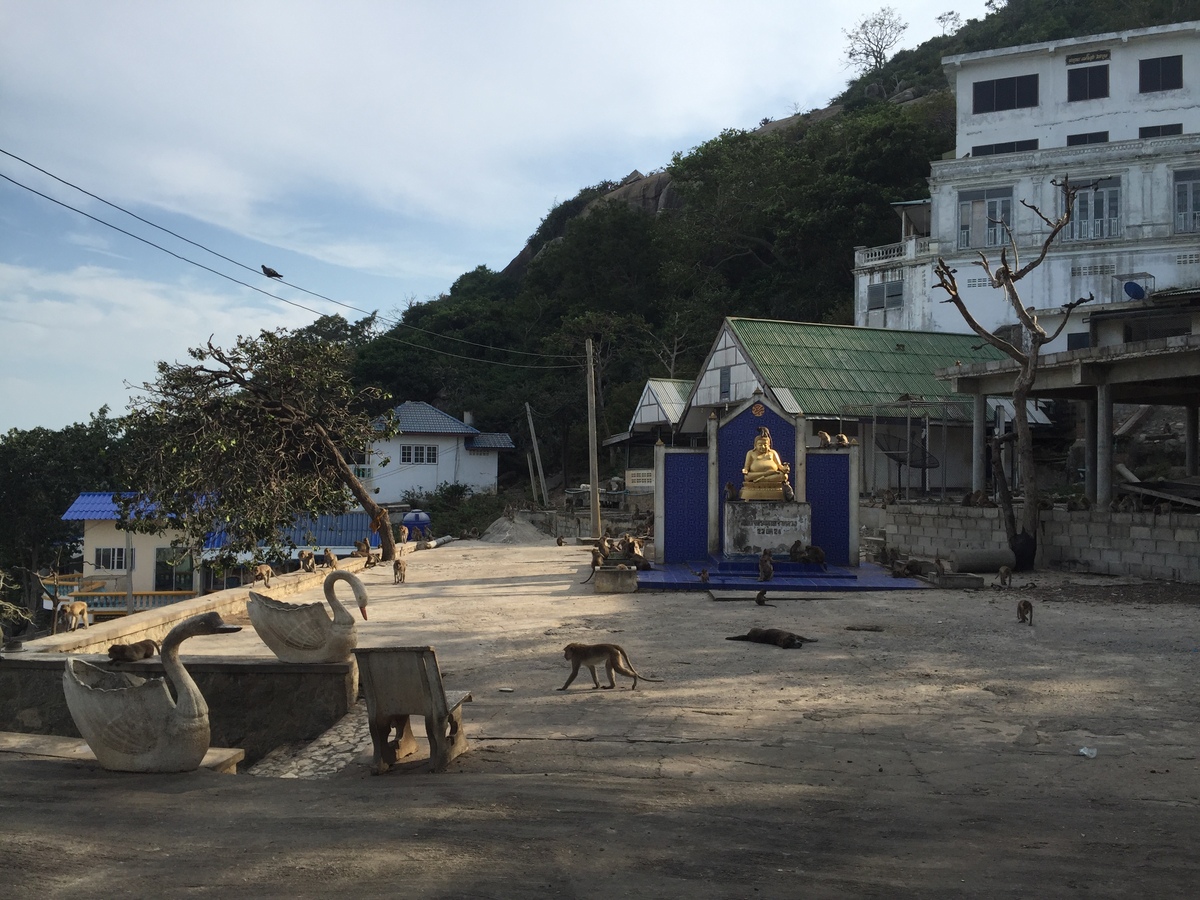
308	561
766	569
399	571
597	561
263	573
785	640
132	652
1025	612
614	658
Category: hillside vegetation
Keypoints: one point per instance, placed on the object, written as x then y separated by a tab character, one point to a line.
759	224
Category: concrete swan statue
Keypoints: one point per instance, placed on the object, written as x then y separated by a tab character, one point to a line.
132	724
304	632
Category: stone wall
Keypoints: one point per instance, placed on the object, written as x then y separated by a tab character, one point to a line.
1141	544
254	705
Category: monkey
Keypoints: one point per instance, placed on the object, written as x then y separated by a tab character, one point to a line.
761	599
1004	576
730	491
785	640
766	569
943	567
614	658
372	560
904	568
73	613
825	439
330	560
814	555
640	562
888	498
789	493
796	551
308	561
362	548
598	560
841	441
1025	612
1163	509
402	532
399	571
704	575
132	652
263	573
560	540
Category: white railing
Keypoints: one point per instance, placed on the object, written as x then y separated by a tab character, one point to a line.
913	248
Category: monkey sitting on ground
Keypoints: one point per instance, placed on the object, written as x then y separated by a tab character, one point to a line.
132	652
796	551
399	571
308	561
263	573
785	640
761	599
614	657
329	559
597	561
703	574
814	555
766	569
362	548
1025	612
560	540
1004	576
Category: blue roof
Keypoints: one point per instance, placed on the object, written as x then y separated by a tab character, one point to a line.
323	531
417	417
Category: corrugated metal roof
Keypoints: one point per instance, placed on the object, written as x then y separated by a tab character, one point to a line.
93	506
494	441
672	395
418	417
828	368
323	531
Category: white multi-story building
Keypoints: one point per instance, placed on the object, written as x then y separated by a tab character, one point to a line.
1118	113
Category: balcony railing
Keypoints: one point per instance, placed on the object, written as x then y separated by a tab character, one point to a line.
913	248
114	603
1093	229
1187	222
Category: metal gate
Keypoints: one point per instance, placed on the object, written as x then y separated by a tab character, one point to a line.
828	486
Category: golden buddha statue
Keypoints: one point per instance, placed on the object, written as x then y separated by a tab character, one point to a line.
764	474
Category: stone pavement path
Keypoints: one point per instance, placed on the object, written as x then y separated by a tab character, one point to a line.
325	757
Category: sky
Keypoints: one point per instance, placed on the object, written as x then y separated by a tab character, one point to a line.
371	151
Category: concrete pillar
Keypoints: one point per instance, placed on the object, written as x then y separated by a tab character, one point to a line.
715	494
1089	449
660	499
799	471
1191	435
978	442
1104	445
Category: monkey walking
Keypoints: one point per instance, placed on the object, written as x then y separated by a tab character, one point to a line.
73	613
263	573
1004	576
399	571
614	658
1025	612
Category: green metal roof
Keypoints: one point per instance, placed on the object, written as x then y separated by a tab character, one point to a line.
835	370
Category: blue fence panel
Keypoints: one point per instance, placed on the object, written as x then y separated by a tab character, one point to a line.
685	507
828	486
737	436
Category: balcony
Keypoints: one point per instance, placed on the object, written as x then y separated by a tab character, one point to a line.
906	251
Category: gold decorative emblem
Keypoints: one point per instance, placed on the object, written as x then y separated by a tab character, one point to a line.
758	410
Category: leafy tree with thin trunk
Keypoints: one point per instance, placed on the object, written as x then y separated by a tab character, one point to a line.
246	440
1027	354
870	41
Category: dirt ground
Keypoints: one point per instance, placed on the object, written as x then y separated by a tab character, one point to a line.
926	746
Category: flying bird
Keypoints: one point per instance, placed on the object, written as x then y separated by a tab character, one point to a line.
270	273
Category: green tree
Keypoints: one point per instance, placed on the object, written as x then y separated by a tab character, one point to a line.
41	473
244	440
872	38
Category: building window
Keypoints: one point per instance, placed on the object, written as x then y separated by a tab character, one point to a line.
418	455
112	558
1005	93
1087	83
360	462
888	295
1187	201
1153	131
1164	73
725	380
172	569
982	216
1078	340
1097	212
1004	147
1092	137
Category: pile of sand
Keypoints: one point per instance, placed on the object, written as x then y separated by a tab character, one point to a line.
514	531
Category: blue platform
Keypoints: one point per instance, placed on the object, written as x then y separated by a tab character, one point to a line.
740	573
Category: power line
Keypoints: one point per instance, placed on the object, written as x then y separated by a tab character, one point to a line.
215	253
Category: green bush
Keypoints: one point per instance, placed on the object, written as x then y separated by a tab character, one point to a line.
454	509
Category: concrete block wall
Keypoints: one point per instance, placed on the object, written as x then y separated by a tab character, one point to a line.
1141	544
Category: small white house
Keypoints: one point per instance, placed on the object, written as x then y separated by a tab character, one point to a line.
432	448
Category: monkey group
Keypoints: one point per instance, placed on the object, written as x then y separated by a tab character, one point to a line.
308	561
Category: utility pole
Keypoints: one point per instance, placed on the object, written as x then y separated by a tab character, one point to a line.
593	460
537	454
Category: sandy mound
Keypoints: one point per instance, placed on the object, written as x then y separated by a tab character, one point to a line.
514	531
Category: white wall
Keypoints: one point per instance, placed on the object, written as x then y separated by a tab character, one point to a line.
105	534
455	465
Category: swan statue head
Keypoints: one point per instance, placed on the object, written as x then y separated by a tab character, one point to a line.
305	632
133	724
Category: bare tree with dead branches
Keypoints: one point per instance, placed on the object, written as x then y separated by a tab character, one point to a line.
1005	275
